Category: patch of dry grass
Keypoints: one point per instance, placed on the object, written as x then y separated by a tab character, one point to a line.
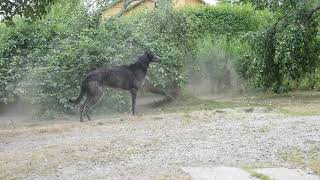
301	109
170	177
43	160
41	129
302	158
22	164
299	103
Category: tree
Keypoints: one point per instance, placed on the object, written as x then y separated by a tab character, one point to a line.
277	5
288	50
30	9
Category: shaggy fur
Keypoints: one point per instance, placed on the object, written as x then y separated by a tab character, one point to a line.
126	77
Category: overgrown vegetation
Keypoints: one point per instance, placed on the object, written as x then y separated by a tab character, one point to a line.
29	9
43	61
305	158
255	174
288	50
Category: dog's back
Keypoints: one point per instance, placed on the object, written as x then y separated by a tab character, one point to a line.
122	77
127	77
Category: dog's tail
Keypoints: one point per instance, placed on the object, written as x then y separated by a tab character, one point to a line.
79	98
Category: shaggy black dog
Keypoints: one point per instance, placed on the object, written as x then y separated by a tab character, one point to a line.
127	77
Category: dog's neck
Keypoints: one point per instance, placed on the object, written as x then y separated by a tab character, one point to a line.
142	62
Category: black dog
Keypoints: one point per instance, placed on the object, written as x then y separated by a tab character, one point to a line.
127	77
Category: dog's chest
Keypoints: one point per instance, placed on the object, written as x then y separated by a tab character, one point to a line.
140	82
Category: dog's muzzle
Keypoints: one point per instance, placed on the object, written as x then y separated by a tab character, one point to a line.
156	59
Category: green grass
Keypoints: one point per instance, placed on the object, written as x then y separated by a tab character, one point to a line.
187	104
302	158
297	103
256	174
296	113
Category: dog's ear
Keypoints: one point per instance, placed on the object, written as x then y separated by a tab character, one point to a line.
149	55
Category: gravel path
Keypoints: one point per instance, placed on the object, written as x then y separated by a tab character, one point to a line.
154	146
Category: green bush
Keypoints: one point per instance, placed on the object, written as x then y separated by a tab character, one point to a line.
284	52
43	62
214	66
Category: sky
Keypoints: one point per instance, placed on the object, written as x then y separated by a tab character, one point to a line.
211	1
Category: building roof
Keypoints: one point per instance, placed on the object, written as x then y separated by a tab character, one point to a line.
131	4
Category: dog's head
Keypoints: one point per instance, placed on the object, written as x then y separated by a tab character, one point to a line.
152	56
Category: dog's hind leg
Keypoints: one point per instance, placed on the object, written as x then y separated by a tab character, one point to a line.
83	107
97	93
93	102
86	109
133	92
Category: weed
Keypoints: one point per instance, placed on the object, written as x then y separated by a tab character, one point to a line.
298	157
265	129
255	174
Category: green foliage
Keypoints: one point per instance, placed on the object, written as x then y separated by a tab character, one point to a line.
43	62
166	31
284	52
214	65
175	34
30	9
283	6
226	19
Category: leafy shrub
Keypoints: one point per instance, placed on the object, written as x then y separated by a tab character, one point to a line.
43	62
213	66
284	52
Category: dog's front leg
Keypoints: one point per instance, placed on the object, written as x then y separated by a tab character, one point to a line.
133	92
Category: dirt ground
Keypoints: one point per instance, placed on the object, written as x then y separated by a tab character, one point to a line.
240	131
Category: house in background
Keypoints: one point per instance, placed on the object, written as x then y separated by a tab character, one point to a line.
126	7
